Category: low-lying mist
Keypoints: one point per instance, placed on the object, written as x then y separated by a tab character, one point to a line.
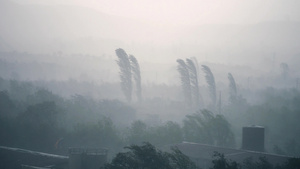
66	80
98	115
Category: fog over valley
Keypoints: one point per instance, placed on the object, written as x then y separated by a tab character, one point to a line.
115	73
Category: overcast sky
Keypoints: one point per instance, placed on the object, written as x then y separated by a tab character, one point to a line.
237	40
192	11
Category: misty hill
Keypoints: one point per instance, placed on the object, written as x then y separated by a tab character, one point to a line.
56	42
26	27
73	29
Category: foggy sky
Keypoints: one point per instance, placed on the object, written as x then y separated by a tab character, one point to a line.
257	34
192	11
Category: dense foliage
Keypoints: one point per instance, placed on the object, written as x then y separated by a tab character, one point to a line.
147	156
205	127
278	111
220	162
35	118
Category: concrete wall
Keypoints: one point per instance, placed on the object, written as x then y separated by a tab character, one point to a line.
80	158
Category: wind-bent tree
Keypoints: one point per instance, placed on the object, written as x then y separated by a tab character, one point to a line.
211	84
205	127
232	89
135	67
220	103
194	59
185	80
284	70
125	73
193	81
148	156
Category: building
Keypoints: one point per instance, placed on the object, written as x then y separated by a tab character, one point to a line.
79	158
252	147
202	154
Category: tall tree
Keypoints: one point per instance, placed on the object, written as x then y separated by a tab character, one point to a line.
194	59
193	81
232	89
185	80
135	67
210	79
125	73
284	70
220	103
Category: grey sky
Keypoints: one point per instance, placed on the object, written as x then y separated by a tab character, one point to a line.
232	32
192	11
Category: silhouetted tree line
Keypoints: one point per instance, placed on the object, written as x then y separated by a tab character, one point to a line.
35	118
278	111
189	77
148	156
41	120
220	162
